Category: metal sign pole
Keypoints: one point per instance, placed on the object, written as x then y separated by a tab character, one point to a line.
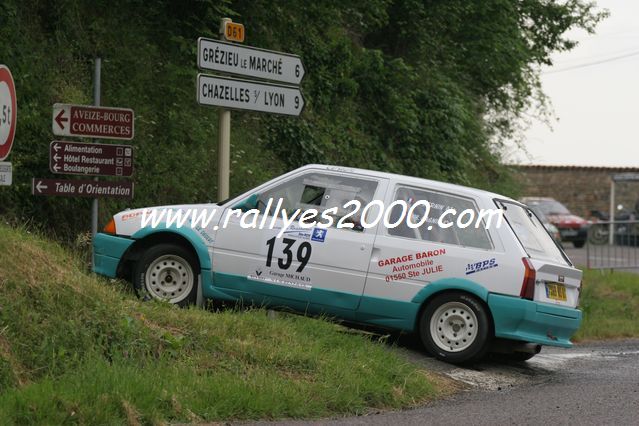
96	102
224	155
611	228
224	143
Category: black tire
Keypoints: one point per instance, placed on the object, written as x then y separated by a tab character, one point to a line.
457	306
598	234
579	244
167	272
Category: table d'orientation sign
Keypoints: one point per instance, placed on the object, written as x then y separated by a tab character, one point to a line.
82	188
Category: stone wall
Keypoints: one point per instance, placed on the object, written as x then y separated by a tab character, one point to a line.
581	189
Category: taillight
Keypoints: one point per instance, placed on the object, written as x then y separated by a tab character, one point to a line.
110	227
528	286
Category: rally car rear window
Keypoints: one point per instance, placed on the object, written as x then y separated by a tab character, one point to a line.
531	233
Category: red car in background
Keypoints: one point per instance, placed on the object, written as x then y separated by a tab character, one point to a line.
572	228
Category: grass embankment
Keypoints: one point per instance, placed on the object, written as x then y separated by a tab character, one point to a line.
75	348
610	304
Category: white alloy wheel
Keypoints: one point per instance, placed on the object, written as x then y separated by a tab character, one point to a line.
453	326
170	278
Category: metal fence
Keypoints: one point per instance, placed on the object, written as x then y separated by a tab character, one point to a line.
613	245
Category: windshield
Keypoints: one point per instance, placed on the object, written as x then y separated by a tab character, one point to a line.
539	212
531	233
550	207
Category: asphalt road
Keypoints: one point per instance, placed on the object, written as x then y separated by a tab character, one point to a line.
591	384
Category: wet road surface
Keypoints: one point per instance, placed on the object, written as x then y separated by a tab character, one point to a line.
590	384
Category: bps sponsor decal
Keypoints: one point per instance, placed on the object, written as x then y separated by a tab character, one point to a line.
471	268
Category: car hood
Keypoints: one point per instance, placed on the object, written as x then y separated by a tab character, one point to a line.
128	222
563	220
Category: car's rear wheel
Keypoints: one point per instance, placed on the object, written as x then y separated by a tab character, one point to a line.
455	327
167	272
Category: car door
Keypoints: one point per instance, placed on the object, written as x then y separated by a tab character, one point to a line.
405	259
305	267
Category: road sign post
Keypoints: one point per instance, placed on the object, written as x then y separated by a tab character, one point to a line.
224	139
8	111
231	93
97	77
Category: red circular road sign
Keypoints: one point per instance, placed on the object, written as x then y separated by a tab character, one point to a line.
8	111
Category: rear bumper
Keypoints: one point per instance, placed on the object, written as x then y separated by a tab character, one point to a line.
534	322
107	253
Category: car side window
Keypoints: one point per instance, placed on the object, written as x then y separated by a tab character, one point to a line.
470	236
321	192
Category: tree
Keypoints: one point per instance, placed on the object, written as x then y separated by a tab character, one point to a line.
428	88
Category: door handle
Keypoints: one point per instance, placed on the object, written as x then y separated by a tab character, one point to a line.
375	254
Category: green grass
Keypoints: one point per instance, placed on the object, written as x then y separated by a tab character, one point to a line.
610	304
78	349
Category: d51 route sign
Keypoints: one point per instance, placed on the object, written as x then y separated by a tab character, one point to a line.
234	31
8	111
82	188
92	121
247	95
216	55
90	159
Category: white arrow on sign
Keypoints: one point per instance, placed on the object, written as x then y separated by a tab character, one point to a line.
40	186
247	95
56	147
249	61
60	123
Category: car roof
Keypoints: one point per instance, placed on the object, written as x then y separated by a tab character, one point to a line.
434	184
536	199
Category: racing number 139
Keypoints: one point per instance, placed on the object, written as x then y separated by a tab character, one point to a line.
303	253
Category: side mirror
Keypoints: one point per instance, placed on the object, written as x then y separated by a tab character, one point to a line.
251	202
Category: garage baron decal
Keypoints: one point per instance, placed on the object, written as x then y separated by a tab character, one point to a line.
398	260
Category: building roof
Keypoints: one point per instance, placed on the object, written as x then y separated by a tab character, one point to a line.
573	167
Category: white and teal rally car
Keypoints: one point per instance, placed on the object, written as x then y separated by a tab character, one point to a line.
464	289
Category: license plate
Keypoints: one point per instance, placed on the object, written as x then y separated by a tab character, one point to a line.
556	291
569	233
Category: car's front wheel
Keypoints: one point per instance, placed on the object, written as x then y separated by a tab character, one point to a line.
455	327
167	272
